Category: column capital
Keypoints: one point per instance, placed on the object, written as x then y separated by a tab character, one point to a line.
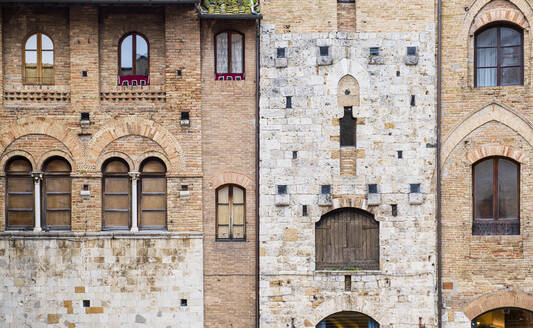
134	175
37	176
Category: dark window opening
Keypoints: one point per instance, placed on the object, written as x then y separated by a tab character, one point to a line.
413	100
372	188
400	154
374	51
325	189
394	210
288	102
347	283
504	318
304	210
414	188
281	53
282	189
324	51
411	51
348	128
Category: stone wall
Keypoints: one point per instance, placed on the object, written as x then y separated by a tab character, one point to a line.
300	148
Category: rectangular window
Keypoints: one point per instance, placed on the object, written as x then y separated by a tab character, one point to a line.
57	194
116	204
20	202
348	128
231	208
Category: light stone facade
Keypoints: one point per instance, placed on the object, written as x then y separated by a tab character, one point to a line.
402	292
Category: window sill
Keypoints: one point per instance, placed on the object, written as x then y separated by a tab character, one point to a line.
230	240
349	272
11	234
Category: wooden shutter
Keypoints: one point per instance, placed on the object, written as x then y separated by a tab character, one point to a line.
347	238
153	195
19	200
116	195
231	218
57	194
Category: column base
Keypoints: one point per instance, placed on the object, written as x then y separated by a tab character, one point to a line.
37	229
134	229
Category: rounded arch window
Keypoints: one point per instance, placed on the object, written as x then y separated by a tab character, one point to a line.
229	55
499	56
348	319
116	194
230	213
134	59
56	192
496	191
504	318
38	59
152	194
19	194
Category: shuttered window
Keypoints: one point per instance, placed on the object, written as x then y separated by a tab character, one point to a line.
230	214
20	198
56	188
116	193
38	59
153	195
347	239
496	184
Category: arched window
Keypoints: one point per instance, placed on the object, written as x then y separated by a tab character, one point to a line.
229	55
348	239
38	59
504	318
348	319
230	200
153	195
19	196
116	194
499	56
134	60
496	189
57	187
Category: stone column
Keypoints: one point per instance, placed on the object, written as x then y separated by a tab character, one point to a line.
134	178
37	177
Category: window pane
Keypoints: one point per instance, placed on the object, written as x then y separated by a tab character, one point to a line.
126	62
153	202
20	219
223	232
223	195
238	195
57	165
46	43
141	56
118	184
507	189
19	184
60	184
153	219
116	202
487	57
222	53
31	58
116	166
484	189
19	165
20	201
510	37
511	56
48	59
58	218
116	219
236	53
238	214
223	214
31	43
57	202
153	184
153	166
238	232
511	76
487	77
487	38
30	69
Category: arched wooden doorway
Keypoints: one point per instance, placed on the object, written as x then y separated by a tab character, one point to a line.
508	317
348	319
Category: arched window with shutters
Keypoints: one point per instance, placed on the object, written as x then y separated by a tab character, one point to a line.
496	191
229	55
230	213
116	194
499	56
134	60
153	195
19	194
38	59
347	238
56	191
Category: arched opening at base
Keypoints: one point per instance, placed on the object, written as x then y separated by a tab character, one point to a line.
504	318
348	319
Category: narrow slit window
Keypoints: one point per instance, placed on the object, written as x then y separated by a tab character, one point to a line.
38	59
153	195
348	128
20	197
230	200
116	192
57	190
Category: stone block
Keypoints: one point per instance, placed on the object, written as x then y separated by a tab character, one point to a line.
374	199
281	62
94	310
416	198
324	60
282	200
410	60
375	60
325	200
52	318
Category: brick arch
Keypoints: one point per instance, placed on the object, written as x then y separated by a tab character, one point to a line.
14	153
491	112
499	299
59	153
477	6
498	150
136	126
346	303
49	128
151	154
494	15
107	155
232	178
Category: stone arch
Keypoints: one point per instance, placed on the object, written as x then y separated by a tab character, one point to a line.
498	299
491	112
358	201
522	7
107	155
352	68
232	178
499	150
49	128
499	13
136	126
346	303
59	153
13	153
348	91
